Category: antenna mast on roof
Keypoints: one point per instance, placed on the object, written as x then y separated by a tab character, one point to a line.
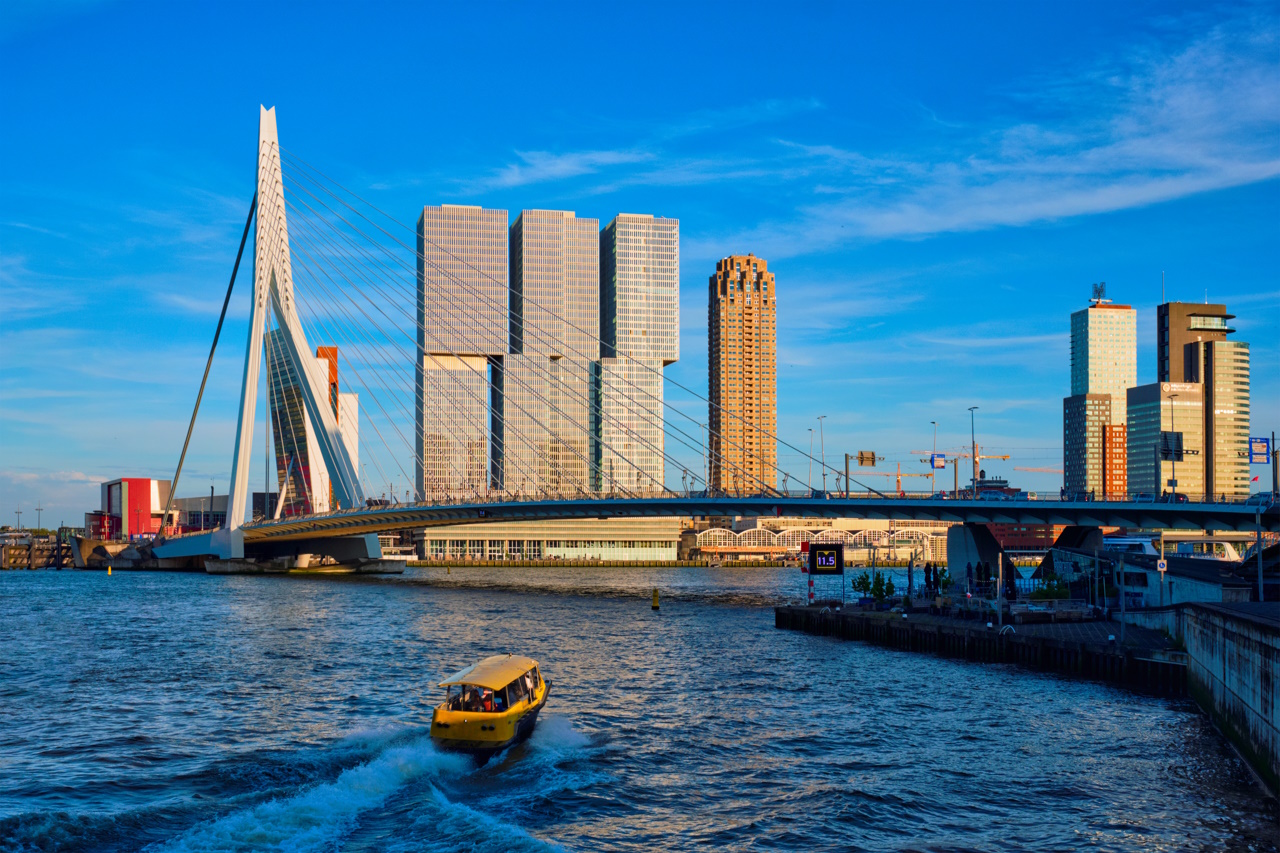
1099	293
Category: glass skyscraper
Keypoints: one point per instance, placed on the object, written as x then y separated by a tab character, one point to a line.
462	336
1104	363
548	378
1166	407
639	298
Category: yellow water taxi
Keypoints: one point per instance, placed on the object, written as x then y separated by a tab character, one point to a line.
490	705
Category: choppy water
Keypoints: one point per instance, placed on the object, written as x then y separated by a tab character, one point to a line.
183	712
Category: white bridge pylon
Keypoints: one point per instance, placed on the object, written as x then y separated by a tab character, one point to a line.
273	280
273	291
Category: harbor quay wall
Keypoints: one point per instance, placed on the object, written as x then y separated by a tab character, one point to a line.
1232	655
1149	669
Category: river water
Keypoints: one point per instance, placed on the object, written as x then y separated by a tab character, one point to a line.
170	712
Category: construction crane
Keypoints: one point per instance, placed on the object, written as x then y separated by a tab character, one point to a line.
897	475
954	459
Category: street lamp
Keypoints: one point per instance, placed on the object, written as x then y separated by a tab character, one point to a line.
706	484
809	482
822	444
1173	454
18	513
973	437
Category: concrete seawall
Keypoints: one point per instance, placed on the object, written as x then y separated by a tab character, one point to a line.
1232	656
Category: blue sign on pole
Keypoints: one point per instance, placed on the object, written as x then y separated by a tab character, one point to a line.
937	460
1259	451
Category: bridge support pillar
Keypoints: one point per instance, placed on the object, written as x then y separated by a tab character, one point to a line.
972	544
1086	538
347	554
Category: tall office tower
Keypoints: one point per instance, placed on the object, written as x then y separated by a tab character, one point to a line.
1162	417
548	379
462	337
1224	372
1192	346
742	364
639	279
300	468
1104	362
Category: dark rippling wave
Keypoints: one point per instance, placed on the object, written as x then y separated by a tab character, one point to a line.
181	713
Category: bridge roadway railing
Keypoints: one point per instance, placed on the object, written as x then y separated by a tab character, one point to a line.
1205	515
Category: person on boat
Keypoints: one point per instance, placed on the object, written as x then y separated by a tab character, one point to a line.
472	701
486	701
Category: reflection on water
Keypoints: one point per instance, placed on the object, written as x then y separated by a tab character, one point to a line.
177	712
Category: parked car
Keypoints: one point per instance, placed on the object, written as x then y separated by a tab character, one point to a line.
1144	498
940	496
1260	499
1027	496
1175	498
994	495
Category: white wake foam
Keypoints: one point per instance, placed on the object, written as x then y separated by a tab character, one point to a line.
316	818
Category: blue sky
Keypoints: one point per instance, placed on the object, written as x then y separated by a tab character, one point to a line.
936	186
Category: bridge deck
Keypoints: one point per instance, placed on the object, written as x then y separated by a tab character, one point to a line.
1193	516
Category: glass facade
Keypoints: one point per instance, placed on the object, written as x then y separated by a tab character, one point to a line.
452	437
639	299
548	382
1226	408
462	330
1085	418
1104	354
1166	407
1104	364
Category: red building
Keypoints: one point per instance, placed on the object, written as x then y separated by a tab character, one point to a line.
131	507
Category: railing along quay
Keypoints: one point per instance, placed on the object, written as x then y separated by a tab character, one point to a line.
1147	667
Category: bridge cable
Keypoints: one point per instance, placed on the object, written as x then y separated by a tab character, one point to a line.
217	332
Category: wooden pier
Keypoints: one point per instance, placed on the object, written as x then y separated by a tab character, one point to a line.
1147	661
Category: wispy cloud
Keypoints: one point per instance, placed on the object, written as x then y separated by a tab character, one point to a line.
537	167
1202	118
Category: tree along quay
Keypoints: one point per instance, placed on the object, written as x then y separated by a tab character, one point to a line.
1148	660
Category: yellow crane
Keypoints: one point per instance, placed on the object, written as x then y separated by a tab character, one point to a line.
954	459
897	475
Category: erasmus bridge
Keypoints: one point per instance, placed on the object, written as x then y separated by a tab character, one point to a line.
329	266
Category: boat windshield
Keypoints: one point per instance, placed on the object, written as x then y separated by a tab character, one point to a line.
471	697
477	699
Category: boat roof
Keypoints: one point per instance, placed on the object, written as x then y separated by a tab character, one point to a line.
494	672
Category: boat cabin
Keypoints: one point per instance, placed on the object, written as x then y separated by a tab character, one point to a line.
494	685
